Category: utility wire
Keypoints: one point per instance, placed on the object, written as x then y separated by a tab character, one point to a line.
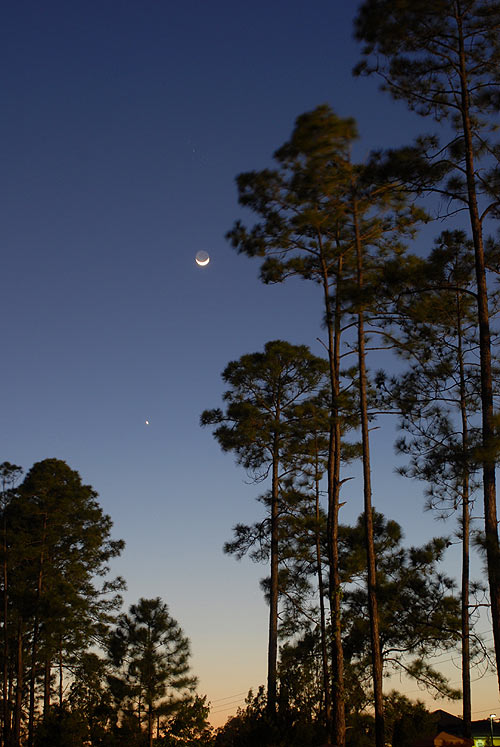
228	697
220	706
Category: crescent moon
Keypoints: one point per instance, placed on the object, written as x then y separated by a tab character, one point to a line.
202	262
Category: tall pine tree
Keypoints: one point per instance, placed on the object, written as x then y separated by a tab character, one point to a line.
322	218
443	58
258	424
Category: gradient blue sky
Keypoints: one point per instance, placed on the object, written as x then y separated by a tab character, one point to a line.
124	125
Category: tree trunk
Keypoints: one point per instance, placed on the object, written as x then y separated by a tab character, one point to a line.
488	429
466	684
46	687
6	653
19	685
61	677
273	595
368	510
35	638
337	729
12	678
321	593
33	670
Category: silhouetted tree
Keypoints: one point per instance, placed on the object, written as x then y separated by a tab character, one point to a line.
419	613
61	541
322	218
442	57
303	220
438	396
10	475
151	655
259	425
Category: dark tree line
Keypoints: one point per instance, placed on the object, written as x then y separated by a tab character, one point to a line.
74	670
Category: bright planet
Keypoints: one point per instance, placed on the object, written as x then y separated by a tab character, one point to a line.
202	258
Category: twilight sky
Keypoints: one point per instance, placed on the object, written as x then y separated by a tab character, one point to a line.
124	125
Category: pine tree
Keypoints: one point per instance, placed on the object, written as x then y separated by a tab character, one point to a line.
259	426
419	611
438	395
10	475
303	222
151	655
442	57
323	219
61	540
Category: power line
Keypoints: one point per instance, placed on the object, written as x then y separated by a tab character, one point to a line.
486	710
220	706
228	697
228	707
